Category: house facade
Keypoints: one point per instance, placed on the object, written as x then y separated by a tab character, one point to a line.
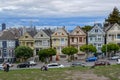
59	40
27	40
8	43
77	38
42	40
96	36
113	34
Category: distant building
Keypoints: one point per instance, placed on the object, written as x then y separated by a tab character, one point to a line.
3	26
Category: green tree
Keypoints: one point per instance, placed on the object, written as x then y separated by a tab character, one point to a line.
70	51
88	49
23	52
110	48
87	28
45	54
114	17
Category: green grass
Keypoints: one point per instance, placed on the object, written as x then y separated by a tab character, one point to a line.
112	72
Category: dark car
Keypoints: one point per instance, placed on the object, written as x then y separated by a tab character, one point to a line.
90	59
23	65
101	63
77	64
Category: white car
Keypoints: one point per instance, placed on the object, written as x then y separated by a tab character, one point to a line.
32	63
1	66
115	57
118	61
55	65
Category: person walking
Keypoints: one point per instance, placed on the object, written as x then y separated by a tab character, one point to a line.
4	66
7	67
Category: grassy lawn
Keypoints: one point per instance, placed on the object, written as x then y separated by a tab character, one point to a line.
72	73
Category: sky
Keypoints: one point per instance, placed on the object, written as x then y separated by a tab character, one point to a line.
55	13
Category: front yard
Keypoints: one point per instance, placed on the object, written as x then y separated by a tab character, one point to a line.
73	73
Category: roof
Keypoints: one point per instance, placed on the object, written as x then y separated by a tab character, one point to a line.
48	31
32	33
110	26
7	35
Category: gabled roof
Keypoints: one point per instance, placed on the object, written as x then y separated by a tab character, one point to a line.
99	28
48	32
7	35
31	33
77	28
110	26
59	30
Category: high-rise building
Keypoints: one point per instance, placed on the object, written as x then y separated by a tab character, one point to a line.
3	26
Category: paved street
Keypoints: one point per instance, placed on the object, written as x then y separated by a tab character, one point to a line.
65	63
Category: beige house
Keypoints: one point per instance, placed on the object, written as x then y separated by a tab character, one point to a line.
59	40
113	34
42	40
26	40
77	38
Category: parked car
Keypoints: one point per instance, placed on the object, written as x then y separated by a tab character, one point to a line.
118	61
115	57
90	59
77	63
55	65
32	63
101	63
23	65
1	66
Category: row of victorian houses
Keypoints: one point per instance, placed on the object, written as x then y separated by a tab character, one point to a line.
58	39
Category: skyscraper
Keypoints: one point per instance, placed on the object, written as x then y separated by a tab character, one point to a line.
3	26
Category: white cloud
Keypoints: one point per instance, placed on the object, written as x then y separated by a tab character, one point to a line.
58	8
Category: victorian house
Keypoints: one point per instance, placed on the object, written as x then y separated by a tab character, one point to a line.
113	33
8	42
59	41
42	40
77	38
96	36
27	40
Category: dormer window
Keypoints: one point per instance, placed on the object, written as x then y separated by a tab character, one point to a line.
26	36
77	31
41	35
96	30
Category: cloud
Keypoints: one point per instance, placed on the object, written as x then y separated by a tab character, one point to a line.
57	8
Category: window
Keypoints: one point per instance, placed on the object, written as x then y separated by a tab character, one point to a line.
80	39
0	43
118	36
99	39
39	42
45	43
77	31
26	36
90	38
62	41
55	33
72	39
96	30
41	35
99	44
